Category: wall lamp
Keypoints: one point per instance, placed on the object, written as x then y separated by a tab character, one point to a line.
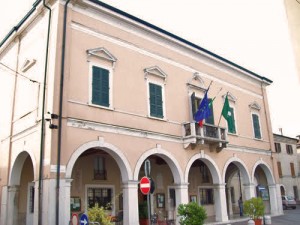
49	119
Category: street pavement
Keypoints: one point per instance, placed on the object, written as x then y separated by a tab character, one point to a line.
290	217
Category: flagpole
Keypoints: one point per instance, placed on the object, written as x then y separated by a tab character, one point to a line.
209	85
222	110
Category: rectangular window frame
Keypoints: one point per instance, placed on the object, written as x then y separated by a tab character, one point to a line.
277	147
100	172
255	128
206	195
292	167
289	149
163	117
279	169
101	186
110	87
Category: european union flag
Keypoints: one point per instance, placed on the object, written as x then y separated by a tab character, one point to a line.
204	111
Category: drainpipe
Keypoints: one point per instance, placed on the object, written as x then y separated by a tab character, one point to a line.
62	74
42	144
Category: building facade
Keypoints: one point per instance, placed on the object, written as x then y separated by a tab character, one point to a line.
288	165
93	92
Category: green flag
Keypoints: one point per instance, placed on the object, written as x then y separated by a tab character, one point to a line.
228	115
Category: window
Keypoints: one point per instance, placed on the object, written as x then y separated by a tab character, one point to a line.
99	168
277	147
206	196
289	149
279	169
256	126
204	171
156	100
99	195
172	196
101	87
292	170
210	119
195	101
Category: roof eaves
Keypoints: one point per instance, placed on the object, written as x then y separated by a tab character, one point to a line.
143	22
16	28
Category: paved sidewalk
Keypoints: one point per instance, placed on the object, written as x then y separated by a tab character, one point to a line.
290	217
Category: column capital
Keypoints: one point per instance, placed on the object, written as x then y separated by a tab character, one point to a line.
220	186
130	184
13	188
181	186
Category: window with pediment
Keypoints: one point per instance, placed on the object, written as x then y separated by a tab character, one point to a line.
196	92
101	63
156	80
231	100
255	110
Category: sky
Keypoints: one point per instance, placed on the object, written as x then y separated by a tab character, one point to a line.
251	33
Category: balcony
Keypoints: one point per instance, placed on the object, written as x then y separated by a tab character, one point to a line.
214	136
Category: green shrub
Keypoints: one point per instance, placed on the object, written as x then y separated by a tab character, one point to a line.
254	208
191	214
98	214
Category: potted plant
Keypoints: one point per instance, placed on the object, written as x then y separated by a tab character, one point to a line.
98	214
143	213
191	214
255	209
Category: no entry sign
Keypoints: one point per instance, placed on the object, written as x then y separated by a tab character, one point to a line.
145	185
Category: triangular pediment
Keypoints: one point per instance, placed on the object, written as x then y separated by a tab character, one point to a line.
196	82
156	71
231	97
255	105
101	53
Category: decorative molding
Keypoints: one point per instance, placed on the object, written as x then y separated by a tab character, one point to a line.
82	124
156	71
255	105
231	97
102	53
98	34
27	64
196	82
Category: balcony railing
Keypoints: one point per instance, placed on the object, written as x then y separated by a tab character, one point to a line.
214	136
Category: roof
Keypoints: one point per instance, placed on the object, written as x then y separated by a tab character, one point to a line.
286	137
149	25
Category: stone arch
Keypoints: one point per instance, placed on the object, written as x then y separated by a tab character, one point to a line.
267	170
242	167
213	168
18	162
165	155
117	154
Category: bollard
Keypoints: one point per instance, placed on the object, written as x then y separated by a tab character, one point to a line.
251	222
268	220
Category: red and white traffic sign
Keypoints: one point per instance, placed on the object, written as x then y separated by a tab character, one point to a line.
145	185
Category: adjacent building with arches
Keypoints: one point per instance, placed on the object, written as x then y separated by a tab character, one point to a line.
93	92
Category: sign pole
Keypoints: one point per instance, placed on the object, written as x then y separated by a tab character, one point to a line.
147	172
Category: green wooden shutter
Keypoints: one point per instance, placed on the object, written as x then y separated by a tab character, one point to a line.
193	104
156	104
232	130
100	86
210	119
256	126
